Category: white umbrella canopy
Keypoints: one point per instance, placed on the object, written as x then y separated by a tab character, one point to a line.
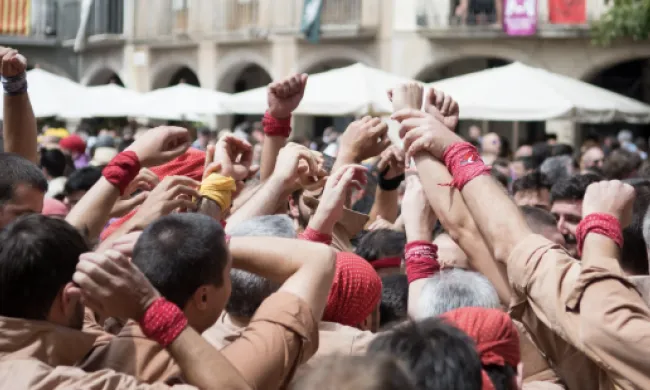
106	101
517	92
50	94
352	90
179	102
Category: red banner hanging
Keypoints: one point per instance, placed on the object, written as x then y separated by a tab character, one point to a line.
567	11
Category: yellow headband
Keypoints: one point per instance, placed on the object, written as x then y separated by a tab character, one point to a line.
219	189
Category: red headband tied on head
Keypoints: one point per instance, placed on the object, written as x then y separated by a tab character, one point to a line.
495	335
355	292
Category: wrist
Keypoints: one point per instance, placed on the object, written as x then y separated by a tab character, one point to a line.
14	85
279	114
146	304
419	234
322	223
347	156
163	321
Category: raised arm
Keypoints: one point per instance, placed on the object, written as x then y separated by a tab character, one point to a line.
390	174
19	123
450	207
155	147
114	287
304	268
284	97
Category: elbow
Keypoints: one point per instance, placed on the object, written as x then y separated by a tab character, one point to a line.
327	264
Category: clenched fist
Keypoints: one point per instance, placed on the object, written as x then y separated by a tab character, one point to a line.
284	96
13	63
611	197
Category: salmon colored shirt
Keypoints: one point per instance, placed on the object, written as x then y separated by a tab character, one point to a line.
39	355
586	317
282	335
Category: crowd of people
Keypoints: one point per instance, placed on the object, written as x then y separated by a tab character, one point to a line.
153	260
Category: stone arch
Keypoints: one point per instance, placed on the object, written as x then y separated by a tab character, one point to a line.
102	76
164	73
607	61
334	55
235	64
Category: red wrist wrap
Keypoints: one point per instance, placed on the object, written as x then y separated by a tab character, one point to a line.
421	260
163	322
122	169
315	236
464	163
387	262
599	223
276	127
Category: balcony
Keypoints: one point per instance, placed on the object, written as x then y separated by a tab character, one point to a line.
478	19
246	20
38	27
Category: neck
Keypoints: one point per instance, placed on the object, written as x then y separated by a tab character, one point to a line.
241	322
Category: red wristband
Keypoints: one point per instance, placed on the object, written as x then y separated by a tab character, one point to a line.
315	236
421	260
464	163
599	223
163	322
122	169
387	262
276	127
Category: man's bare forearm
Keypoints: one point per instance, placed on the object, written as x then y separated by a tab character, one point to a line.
19	127
496	215
305	268
386	205
93	210
453	213
265	202
270	150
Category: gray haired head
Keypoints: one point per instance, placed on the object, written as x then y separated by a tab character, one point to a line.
250	290
453	289
557	168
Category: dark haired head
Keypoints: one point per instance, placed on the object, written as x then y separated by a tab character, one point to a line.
38	256
53	161
22	187
80	182
542	222
562	150
381	243
184	255
394	299
621	164
634	255
438	355
532	189
541	151
573	188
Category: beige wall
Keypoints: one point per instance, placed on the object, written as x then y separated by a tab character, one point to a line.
386	37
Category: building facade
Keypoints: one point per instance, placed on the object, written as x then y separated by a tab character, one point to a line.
234	45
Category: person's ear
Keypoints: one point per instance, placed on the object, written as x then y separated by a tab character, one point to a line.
70	298
294	211
200	298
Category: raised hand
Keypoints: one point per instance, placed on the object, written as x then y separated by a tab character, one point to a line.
611	197
407	95
172	193
443	107
337	189
126	243
231	156
161	144
295	162
419	219
364	138
284	96
12	63
113	286
422	132
394	160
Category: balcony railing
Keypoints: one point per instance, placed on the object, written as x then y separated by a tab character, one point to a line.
243	19
480	16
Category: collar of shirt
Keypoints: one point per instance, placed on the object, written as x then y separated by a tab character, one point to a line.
52	344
